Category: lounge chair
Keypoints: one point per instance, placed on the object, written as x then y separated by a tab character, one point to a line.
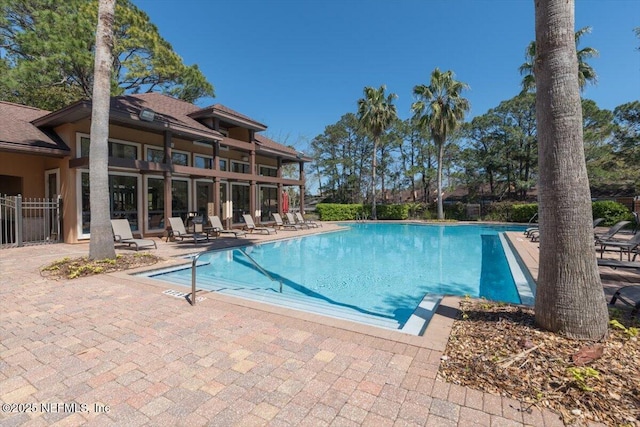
614	263
532	228
310	223
122	234
281	224
179	232
609	234
534	233
251	226
218	229
629	295
628	246
292	220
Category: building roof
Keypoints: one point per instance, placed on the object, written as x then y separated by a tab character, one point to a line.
28	127
268	145
18	133
228	115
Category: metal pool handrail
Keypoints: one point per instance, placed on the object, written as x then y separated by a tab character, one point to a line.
195	261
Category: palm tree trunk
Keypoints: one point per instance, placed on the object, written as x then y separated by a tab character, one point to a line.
101	245
439	178
374	163
569	297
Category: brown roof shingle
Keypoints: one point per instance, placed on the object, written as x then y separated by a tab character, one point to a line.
169	109
18	133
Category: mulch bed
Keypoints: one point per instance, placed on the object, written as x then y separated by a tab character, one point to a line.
72	268
498	349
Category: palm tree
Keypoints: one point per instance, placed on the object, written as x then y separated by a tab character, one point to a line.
441	109
586	73
101	245
376	112
569	295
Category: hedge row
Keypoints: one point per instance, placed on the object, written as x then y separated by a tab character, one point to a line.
611	211
348	212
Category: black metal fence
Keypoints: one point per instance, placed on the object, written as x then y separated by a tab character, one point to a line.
29	221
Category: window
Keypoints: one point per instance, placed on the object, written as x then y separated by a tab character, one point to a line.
123	151
180	198
155	155
239	201
240	167
268	203
84	146
223	164
204	193
179	158
155	203
268	171
203	162
123	200
120	150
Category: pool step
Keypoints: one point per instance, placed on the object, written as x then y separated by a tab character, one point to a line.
288	300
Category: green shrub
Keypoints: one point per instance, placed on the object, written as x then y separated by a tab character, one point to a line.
523	212
348	212
498	211
398	211
611	211
339	212
510	211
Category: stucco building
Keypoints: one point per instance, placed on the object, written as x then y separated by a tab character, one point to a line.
166	158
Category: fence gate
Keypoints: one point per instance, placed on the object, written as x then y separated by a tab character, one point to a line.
29	221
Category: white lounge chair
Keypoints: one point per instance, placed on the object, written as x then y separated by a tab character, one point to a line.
292	220
310	223
280	223
218	229
122	234
179	232
251	226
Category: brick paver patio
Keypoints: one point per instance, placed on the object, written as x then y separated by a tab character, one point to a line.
112	349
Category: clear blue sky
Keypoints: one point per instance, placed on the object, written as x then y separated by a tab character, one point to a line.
299	65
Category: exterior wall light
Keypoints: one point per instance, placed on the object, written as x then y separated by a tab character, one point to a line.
147	115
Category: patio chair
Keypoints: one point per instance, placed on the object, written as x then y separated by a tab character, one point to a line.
628	246
122	234
614	263
534	233
179	232
608	235
636	218
310	223
629	295
218	228
533	226
251	226
281	224
292	220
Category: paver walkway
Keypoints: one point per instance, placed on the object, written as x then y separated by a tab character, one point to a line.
112	349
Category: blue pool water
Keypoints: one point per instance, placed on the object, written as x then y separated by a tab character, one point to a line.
374	268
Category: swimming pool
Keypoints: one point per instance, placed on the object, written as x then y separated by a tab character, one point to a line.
377	270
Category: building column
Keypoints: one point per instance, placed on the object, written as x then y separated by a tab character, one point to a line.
252	200
216	197
280	186
168	199
302	179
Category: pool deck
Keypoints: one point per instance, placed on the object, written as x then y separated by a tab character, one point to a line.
136	356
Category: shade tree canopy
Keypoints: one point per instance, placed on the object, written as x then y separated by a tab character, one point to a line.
48	53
